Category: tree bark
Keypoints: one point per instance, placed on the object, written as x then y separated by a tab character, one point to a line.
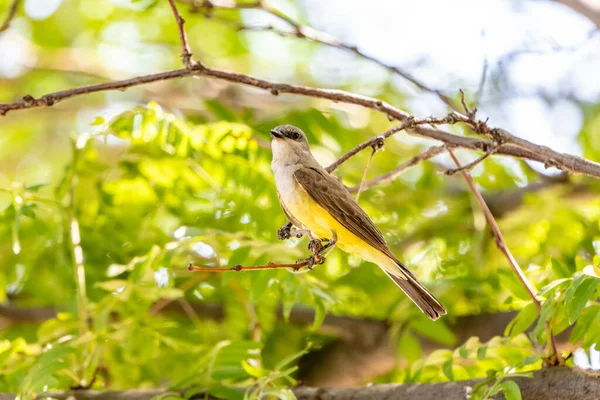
547	384
552	383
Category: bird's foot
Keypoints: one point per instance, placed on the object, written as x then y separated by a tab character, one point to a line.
315	246
284	232
312	260
301	232
330	244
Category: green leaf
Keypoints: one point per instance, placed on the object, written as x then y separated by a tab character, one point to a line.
98	121
320	313
434	330
239	256
546	315
576	299
559	270
290	298
463	352
47	365
290	359
280	393
259	284
252	370
409	347
36	187
482	351
226	392
510	281
588	316
532	359
553	285
511	390
580	263
524	319
447	368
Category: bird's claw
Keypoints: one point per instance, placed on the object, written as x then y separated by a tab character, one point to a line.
284	232
312	260
315	246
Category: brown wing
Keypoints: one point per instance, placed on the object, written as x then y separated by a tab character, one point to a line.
331	194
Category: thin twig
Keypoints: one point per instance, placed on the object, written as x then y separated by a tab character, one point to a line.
392	175
186	52
294	267
501	244
10	14
162	303
468	167
379	140
369	143
364	177
497	233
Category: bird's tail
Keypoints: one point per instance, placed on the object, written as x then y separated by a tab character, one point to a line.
416	291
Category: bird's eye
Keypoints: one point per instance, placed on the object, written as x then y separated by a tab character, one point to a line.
295	136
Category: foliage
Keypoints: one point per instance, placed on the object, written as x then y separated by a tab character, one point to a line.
102	226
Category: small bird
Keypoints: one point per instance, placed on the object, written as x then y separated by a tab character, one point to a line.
313	199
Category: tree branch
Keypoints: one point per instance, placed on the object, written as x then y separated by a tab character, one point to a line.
186	52
553	383
294	267
10	14
501	244
310	34
511	145
378	141
497	233
392	175
468	167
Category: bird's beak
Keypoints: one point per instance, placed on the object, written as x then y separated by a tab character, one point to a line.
276	134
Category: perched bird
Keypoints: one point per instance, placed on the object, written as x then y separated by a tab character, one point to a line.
313	199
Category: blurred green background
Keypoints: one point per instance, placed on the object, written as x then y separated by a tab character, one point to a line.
105	199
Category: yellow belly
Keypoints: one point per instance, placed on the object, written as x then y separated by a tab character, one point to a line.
322	224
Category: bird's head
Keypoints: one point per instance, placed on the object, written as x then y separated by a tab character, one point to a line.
289	139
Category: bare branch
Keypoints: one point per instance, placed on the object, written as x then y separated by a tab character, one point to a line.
501	244
186	52
392	175
512	146
364	177
12	11
551	383
468	167
498	234
294	267
310	34
378	141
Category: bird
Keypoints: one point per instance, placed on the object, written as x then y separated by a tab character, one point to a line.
314	200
